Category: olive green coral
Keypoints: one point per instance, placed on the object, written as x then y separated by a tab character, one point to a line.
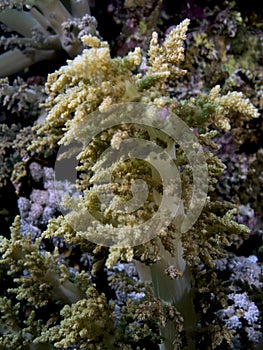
87	322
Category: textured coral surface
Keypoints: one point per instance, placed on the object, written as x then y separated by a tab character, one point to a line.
65	65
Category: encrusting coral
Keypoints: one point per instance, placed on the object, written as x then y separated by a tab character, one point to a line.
185	292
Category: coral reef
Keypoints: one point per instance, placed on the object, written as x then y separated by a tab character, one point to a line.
115	280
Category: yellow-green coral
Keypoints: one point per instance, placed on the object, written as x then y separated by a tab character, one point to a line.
43	273
95	82
89	321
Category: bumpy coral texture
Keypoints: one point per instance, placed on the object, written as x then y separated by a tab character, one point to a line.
181	268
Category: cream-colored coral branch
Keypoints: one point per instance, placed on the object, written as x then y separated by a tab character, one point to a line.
171	54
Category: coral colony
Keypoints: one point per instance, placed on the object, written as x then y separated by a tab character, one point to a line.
163	121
